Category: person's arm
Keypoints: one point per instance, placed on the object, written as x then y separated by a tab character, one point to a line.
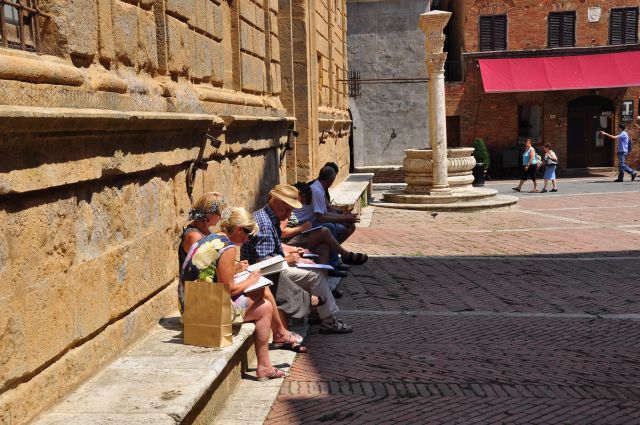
611	136
289	232
190	239
225	272
330	217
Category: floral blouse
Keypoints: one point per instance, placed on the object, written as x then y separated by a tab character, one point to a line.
202	262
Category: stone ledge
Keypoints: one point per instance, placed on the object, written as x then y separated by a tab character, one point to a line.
157	381
354	192
16	119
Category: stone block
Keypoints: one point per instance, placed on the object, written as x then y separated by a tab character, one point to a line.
48	319
217	59
248	11
91	297
203	62
260	17
275	48
13	347
276	78
246	37
105	30
209	15
82	27
200	20
147	51
259	43
125	32
218	23
177	60
273	5
185	9
273	19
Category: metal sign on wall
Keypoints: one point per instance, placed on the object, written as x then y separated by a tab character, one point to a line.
626	112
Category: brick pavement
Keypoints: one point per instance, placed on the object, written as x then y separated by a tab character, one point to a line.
526	316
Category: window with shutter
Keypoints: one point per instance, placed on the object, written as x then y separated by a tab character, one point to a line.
562	27
623	26
493	33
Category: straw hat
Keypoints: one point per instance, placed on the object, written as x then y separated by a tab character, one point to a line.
286	193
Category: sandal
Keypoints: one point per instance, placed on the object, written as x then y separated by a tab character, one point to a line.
295	345
355	259
336	327
275	374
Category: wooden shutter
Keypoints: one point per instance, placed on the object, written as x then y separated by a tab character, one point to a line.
493	33
623	26
562	29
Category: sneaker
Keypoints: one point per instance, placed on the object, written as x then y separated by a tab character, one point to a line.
618	180
554	190
544	191
516	189
633	176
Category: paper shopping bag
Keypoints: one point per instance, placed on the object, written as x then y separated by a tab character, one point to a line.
207	314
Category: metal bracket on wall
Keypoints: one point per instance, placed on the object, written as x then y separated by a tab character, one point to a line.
199	164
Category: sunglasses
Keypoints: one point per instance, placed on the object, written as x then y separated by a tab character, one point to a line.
248	232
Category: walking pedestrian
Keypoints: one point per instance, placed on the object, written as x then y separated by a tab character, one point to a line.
530	167
550	161
624	143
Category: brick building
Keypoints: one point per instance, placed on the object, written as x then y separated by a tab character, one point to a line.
553	70
106	109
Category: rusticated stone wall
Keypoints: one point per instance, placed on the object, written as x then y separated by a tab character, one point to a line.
97	132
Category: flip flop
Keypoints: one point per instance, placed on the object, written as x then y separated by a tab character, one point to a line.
295	345
277	373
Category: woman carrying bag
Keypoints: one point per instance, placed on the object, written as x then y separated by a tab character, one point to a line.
551	162
530	168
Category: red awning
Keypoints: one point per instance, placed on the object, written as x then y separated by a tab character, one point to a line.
561	72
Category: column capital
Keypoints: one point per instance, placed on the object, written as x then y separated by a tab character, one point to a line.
435	63
432	24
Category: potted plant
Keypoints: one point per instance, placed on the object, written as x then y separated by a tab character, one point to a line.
481	154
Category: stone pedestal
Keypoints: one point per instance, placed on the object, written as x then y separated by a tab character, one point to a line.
419	169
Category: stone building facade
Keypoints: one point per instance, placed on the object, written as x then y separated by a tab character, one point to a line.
568	119
386	48
113	113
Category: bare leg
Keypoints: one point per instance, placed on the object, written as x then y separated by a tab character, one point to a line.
260	312
324	237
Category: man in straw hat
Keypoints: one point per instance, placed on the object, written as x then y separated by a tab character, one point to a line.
267	243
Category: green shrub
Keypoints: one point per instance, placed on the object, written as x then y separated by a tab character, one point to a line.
481	154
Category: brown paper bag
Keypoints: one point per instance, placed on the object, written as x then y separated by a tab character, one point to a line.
207	314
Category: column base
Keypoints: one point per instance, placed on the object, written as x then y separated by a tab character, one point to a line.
440	191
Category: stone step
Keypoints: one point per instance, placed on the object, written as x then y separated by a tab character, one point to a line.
159	380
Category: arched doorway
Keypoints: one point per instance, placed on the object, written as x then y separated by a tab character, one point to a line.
586	116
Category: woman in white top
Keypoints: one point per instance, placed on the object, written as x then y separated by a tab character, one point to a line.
551	161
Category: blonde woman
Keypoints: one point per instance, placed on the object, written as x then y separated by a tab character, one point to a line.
213	259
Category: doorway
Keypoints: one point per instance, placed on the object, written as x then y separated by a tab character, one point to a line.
586	116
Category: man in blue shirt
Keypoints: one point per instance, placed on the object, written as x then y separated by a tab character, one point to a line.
268	243
624	145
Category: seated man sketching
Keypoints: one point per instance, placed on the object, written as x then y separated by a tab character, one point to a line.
268	243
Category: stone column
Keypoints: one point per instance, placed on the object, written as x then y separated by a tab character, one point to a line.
432	24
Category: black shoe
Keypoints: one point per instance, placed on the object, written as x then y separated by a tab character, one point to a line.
544	191
554	190
337	293
633	176
337	273
342	266
618	181
516	189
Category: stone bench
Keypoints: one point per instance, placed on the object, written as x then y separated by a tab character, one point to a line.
158	381
353	193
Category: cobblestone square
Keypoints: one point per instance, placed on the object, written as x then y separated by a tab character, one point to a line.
528	315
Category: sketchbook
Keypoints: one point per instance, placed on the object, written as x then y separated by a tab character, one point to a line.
313	229
269	266
314	266
261	283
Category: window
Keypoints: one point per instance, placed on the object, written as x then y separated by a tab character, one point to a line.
562	29
19	24
623	26
529	123
493	33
